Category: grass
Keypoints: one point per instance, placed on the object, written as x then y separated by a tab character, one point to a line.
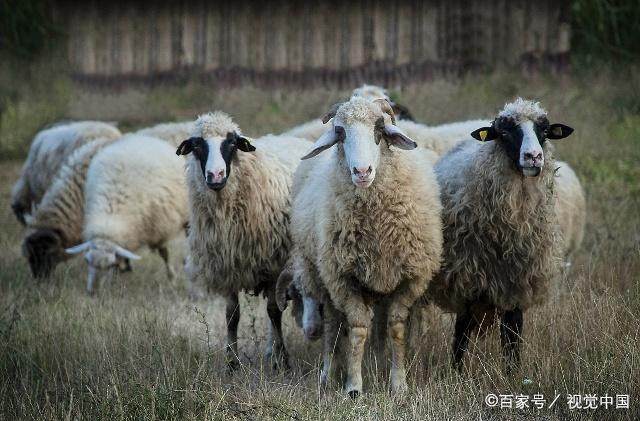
141	349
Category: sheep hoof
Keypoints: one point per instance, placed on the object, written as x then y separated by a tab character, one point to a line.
354	394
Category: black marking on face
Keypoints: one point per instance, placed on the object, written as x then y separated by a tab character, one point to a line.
43	250
228	148
510	136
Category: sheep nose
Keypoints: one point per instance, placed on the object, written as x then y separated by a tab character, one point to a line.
215	176
362	172
312	331
528	156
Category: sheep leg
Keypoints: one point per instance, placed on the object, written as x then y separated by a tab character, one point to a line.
275	346
510	337
331	341
465	324
359	317
163	251
233	318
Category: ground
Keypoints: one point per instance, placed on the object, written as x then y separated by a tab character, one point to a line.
142	349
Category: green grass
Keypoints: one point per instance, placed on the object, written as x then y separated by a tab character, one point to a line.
142	350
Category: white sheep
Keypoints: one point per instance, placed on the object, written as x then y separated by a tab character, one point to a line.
367	219
499	226
571	210
57	221
48	151
135	196
239	226
174	133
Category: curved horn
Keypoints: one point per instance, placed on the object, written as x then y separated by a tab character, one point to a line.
123	252
331	113
79	248
282	285
386	108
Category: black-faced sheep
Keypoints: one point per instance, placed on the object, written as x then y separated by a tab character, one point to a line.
239	226
57	221
367	218
48	151
135	196
500	239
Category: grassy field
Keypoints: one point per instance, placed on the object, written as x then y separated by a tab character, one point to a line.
142	350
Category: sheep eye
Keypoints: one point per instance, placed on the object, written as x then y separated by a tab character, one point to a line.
340	133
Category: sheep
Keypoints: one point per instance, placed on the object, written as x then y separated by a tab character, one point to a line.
312	130
571	210
174	133
367	220
57	222
135	196
500	248
239	223
49	149
440	138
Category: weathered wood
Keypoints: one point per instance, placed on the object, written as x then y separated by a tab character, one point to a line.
310	43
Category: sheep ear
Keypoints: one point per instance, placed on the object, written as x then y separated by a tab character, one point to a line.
79	248
401	112
186	147
123	252
485	134
331	113
244	144
327	140
395	137
558	131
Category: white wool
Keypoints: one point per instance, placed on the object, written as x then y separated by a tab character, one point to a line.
522	109
174	133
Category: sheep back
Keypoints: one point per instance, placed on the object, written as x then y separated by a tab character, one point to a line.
135	193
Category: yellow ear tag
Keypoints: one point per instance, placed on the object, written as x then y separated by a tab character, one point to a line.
557	131
483	135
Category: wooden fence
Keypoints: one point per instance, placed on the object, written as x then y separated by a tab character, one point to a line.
312	42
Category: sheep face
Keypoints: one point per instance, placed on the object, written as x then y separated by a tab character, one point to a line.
215	156
101	255
358	126
43	250
522	129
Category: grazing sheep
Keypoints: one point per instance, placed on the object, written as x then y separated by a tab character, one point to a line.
312	130
367	219
571	210
239	226
500	248
47	153
174	133
58	220
135	196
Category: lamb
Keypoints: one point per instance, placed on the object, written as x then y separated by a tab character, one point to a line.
571	210
500	248
47	153
174	133
135	196
239	224
312	130
367	220
57	222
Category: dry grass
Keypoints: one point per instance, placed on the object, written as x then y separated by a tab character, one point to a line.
143	350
